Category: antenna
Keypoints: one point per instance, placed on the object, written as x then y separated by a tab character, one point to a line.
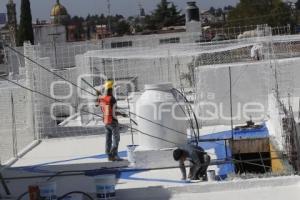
108	16
142	10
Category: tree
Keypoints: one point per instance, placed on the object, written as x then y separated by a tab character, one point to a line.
25	31
78	22
228	8
119	25
122	27
219	12
297	4
271	12
166	14
212	10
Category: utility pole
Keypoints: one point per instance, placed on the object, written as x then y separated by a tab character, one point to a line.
108	16
54	38
142	10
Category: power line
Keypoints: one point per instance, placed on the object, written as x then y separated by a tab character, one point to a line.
44	95
34	91
48	70
39	65
159	138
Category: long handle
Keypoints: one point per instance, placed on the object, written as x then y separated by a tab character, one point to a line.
89	84
131	131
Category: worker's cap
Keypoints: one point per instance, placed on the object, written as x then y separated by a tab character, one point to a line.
177	154
109	85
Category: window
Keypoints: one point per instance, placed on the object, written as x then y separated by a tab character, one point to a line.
121	44
169	40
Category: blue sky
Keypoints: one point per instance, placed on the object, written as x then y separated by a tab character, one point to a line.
41	8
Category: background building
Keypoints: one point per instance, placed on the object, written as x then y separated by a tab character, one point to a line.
54	32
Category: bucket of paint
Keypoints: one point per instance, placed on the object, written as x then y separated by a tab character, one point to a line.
190	135
131	153
34	192
105	187
48	191
211	175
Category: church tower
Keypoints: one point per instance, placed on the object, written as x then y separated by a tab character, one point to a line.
59	13
12	20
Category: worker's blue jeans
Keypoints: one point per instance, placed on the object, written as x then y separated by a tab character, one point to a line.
199	170
112	139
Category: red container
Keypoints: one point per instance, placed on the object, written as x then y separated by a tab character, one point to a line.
34	192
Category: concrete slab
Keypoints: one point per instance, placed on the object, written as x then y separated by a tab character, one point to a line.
78	150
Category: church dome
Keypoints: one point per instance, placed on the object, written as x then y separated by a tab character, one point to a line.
58	10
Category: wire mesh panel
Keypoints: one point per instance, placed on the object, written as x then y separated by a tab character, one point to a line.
57	99
138	71
250	88
7	143
17	130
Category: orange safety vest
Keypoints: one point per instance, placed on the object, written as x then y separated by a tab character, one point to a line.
107	109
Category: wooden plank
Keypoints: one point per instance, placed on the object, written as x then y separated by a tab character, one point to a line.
250	146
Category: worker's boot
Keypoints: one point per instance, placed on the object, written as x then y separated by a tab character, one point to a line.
117	159
111	158
203	177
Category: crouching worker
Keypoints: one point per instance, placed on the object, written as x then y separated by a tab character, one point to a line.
108	105
199	161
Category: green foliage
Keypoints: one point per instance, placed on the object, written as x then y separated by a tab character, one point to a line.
25	31
271	12
166	14
78	22
297	4
119	26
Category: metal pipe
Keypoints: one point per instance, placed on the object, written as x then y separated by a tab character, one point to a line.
83	172
231	109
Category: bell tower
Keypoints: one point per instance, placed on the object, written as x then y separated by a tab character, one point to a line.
12	20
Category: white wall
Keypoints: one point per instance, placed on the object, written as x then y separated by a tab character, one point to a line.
43	34
251	82
24	134
154	39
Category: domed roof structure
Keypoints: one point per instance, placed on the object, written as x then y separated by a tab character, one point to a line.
58	13
58	10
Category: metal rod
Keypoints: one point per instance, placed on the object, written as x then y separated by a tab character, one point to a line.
226	151
299	110
7	191
14	128
129	115
262	162
231	109
242	164
89	84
